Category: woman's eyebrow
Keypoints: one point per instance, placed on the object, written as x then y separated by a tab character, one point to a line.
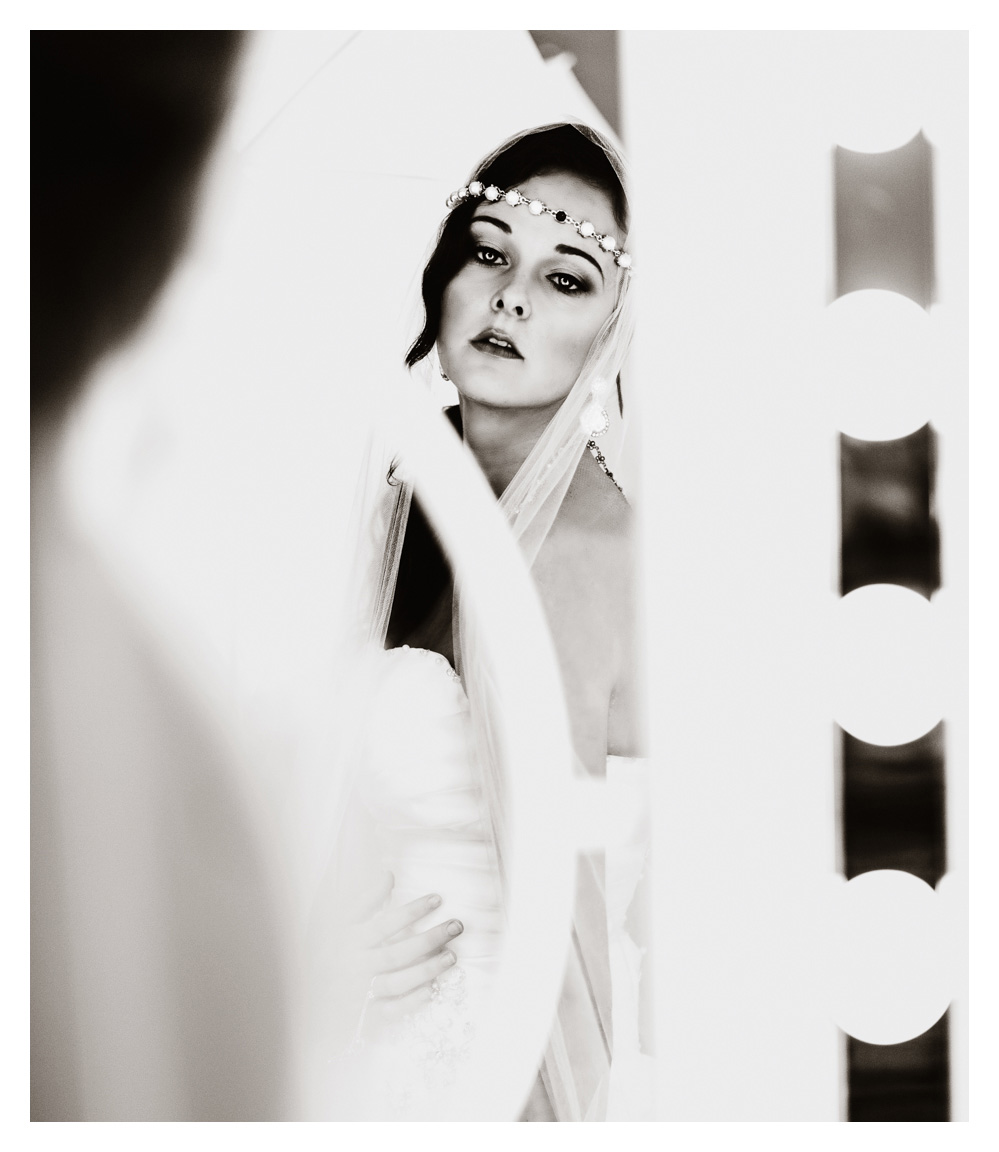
566	250
501	224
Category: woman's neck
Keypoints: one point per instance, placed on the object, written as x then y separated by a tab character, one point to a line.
501	438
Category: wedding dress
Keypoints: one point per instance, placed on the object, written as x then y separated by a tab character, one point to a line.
419	789
420	793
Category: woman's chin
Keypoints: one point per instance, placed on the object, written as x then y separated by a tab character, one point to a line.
490	392
503	401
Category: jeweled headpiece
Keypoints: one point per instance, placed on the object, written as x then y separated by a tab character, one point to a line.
514	198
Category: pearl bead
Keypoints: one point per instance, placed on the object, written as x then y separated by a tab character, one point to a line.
492	192
624	260
535	207
475	188
608	243
512	197
586	228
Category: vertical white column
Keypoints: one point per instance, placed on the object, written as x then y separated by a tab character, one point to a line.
733	203
730	137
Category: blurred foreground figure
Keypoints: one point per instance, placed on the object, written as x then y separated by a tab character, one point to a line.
156	990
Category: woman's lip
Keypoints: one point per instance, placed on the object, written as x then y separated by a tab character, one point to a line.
483	345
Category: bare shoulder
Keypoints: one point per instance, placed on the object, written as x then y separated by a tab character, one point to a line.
587	562
596	523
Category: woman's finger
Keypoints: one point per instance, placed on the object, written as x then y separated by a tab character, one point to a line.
409	979
383	926
404	953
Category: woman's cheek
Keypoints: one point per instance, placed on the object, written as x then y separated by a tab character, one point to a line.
451	312
575	347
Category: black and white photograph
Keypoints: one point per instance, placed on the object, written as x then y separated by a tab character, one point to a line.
499	596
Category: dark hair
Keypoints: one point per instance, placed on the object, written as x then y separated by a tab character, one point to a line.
562	148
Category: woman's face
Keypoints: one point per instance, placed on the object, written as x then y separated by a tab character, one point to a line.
520	315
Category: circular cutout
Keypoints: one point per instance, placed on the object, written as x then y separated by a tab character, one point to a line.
882	125
885	664
888	957
876	363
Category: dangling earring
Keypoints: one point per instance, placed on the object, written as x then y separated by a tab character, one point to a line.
593	417
444	376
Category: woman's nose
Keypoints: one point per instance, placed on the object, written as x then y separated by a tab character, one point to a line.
512	299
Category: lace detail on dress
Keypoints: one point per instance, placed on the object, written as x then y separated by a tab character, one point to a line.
420	1059
440	1034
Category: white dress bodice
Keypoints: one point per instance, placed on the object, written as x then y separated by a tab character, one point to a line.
419	786
420	789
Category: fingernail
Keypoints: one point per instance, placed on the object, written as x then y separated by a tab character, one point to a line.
448	959
454	928
434	901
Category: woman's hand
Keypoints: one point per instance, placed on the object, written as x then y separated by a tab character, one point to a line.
366	966
403	964
399	964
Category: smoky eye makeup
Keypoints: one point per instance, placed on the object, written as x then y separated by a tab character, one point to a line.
486	248
487	255
481	235
570	283
568	250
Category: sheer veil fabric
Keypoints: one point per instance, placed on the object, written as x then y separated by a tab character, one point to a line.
575	1070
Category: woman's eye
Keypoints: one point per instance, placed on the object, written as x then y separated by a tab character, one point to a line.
566	283
486	255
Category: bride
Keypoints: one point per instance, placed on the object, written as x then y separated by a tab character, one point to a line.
526	302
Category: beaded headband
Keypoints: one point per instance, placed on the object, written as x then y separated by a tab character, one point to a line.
513	197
